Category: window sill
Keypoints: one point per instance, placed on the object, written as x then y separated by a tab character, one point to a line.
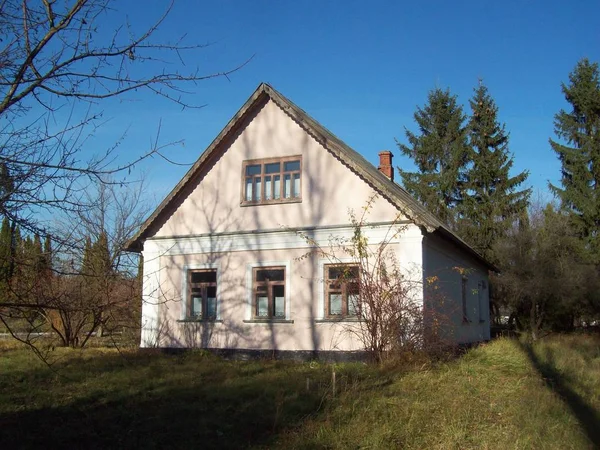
340	319
272	202
268	321
191	320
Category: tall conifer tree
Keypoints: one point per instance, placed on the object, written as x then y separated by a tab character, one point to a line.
5	251
578	149
440	152
494	200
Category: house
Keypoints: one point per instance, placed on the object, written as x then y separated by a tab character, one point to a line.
226	254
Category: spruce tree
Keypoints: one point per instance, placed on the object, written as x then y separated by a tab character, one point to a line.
578	149
440	152
494	201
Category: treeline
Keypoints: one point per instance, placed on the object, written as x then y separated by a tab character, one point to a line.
548	254
74	293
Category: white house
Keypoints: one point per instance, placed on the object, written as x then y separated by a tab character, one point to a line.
225	253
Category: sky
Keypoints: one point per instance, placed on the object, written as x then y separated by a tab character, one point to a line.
360	68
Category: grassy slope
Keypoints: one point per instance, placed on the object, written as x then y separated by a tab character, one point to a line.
501	395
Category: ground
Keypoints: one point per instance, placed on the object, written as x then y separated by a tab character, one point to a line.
504	394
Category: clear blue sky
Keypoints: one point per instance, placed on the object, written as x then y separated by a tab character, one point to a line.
360	68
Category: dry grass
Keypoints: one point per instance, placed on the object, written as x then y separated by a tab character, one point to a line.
500	395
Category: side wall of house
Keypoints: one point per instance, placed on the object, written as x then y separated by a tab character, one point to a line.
456	291
167	324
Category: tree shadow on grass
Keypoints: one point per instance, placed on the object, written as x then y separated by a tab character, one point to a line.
236	405
587	416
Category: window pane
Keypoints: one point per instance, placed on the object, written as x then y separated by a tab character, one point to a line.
196	306
297	185
291	166
287	182
268	188
270	275
257	191
273	168
279	296
248	189
253	169
352	304
276	187
205	276
211	306
334	273
335	304
262	306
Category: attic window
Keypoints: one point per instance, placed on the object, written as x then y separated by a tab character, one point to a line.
273	180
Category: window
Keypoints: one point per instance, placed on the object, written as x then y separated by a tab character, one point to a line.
464	281
202	294
268	292
275	180
341	291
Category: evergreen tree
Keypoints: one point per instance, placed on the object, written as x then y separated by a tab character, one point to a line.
15	250
6	187
37	255
86	263
494	201
578	150
47	257
5	251
440	152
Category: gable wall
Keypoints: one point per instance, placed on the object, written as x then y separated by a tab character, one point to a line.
329	189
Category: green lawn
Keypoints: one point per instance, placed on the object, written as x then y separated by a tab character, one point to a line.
500	395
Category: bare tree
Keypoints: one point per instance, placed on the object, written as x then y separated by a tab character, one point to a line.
387	301
91	285
57	65
60	62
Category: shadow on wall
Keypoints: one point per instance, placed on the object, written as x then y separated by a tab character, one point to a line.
220	214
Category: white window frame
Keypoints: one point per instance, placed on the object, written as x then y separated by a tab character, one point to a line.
184	288
249	283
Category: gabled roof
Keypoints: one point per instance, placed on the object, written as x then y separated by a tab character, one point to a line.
393	192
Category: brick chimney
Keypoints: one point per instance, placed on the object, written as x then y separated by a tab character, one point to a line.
385	164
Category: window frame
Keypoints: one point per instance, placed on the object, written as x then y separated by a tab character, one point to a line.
204	291
263	162
186	290
270	296
343	290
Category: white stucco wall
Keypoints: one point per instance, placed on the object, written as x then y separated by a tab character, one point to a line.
306	328
329	188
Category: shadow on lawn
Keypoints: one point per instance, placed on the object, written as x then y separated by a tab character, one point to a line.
236	405
586	415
